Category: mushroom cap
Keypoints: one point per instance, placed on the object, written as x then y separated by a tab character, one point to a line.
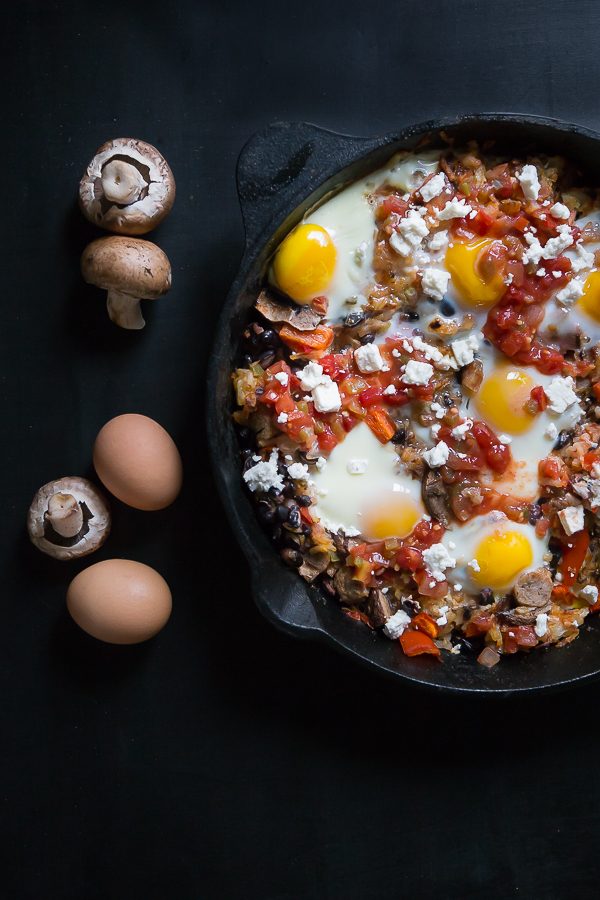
127	265
143	214
96	519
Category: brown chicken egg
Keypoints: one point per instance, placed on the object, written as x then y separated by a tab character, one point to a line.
138	462
120	601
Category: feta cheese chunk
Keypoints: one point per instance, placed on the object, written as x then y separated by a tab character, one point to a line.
571	292
582	259
264	475
311	375
529	181
560	211
368	358
560	394
357	466
437	456
401	247
464	350
390	390
553	248
417	372
433	187
551	431
396	625
437	559
282	378
461	430
438	241
590	594
572	519
435	283
413	227
326	396
474	565
541	624
298	471
454	209
282	418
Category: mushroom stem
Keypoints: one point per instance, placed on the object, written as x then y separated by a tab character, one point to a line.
64	514
122	182
124	310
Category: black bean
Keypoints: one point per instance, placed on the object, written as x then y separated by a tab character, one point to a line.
367	338
282	513
289	540
303	500
275	494
563	439
471	645
267	359
353	319
248	360
265	512
305	529
292	558
259	391
246	452
486	596
411	607
535	514
269	339
293	517
399	436
446	308
248	463
412	315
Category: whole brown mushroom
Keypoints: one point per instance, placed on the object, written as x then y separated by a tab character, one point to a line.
128	187
130	270
68	518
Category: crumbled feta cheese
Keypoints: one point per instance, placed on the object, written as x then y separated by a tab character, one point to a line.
460	430
326	397
572	519
437	409
509	278
398	244
428	350
390	390
396	625
474	565
529	181
433	187
590	594
321	463
435	430
571	292
541	624
560	211
368	358
396	353
438	241
553	248
264	475
457	586
437	456
282	378
311	375
435	283
551	431
298	471
282	418
357	466
560	394
582	259
541	272
454	209
412	227
464	350
505	439
417	372
437	559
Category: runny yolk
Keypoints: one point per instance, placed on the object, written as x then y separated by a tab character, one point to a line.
474	287
501	556
395	517
590	299
304	263
501	400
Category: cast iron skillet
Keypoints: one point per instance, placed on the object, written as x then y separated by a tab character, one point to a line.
282	171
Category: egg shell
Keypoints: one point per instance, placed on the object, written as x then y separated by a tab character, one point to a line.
138	462
119	601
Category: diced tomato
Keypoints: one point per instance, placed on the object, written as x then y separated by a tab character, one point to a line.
482	222
423	622
371	396
538	395
497	455
575	549
590	459
320	304
429	587
553	472
479	625
306	341
391	204
380	424
596	390
357	616
409	558
518	636
336	365
425	533
326	439
416	643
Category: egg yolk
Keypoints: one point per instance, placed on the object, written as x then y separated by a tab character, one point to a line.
501	556
304	263
590	299
473	286
394	518
501	400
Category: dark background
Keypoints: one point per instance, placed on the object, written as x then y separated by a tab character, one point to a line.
223	760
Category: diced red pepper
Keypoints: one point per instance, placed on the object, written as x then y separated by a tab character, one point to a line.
574	553
497	455
380	424
423	622
479	625
538	395
416	643
306	341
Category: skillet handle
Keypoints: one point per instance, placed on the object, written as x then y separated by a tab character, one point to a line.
282	164
282	597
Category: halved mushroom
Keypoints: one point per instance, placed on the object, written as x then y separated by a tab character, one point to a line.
128	187
68	518
131	270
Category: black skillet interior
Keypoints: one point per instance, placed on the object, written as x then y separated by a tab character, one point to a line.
283	171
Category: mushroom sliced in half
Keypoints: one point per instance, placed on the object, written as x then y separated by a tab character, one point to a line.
128	187
68	518
131	270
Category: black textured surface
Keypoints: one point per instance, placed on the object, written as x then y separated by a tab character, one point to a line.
224	760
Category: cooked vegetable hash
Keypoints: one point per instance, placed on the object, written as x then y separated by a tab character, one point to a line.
419	402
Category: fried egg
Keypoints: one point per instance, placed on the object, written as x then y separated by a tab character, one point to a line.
362	490
491	551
